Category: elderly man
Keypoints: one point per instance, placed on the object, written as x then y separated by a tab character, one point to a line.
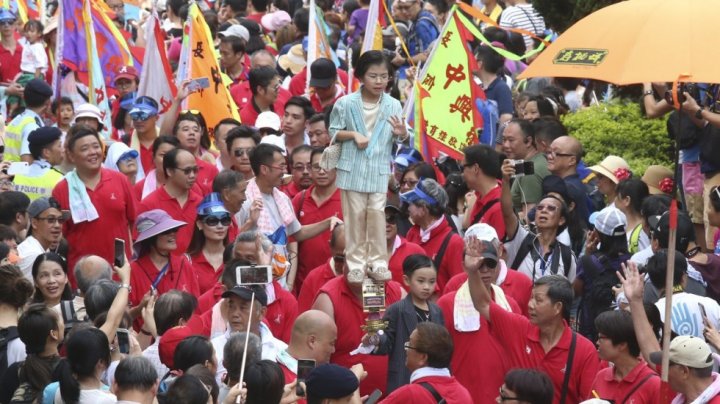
135	381
233	357
46	221
90	269
563	158
313	337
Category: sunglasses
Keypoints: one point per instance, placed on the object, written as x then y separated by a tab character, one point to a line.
549	208
188	170
241	152
7	22
391	219
213	221
141	116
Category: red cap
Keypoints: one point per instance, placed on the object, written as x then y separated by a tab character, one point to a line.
169	341
126	72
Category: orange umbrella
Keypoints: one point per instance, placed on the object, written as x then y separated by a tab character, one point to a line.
638	41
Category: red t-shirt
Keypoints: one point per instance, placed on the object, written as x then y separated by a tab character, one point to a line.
242	95
207	300
249	112
609	389
493	215
521	342
10	63
297	83
207	275
281	313
314	251
449	388
452	260
179	275
395	265
146	158
316	278
160	199
316	103
115	205
349	316
516	285
474	348
205	176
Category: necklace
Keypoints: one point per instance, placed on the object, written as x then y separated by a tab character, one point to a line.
369	106
422	315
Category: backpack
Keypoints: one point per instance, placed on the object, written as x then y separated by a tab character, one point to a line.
491	118
527	246
600	297
684	130
25	394
6	336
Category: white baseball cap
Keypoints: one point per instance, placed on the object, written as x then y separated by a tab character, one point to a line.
268	119
236	30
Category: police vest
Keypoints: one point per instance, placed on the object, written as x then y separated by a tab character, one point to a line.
39	186
13	136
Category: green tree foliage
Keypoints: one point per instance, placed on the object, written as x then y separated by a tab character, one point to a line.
561	14
620	129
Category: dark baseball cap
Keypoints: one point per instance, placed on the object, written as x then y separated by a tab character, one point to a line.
660	226
323	73
245	292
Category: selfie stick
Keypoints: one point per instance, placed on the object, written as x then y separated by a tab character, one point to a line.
247	339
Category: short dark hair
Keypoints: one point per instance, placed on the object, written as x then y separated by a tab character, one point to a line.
238	6
414	262
301	20
530	385
175	6
559	290
617	325
434	340
265	381
171	307
136	373
79	131
235	348
263	154
636	189
544	106
320	117
371	58
7	233
492	61
170	159
207	378
226	121
316	151
187	389
526	127
55	106
164	139
12	203
226	179
260	5
241	132
237	44
655	205
485	157
303	148
656	268
193	350
261	77
548	128
302	103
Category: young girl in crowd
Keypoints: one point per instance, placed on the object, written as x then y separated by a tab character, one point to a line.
33	62
631	194
420	276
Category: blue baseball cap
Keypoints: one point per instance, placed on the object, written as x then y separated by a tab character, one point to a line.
7	15
143	108
128	100
212	205
407	157
418	194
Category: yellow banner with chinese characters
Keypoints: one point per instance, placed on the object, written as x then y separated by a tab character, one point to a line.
447	115
215	102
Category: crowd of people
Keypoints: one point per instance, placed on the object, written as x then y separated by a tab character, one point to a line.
516	274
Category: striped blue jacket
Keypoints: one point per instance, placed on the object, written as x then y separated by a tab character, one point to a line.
364	170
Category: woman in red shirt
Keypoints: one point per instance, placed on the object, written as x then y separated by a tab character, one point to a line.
155	267
209	241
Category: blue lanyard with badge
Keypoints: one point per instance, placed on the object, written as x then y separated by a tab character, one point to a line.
159	277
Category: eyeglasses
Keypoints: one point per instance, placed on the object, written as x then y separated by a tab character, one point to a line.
503	397
551	153
316	167
52	219
379	78
409	183
7	22
189	170
302	167
407	346
391	219
549	208
213	221
241	152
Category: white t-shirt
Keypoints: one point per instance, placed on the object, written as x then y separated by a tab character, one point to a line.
34	57
686	315
28	251
536	269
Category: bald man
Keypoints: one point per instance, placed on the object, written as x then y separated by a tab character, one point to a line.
90	269
313	337
563	157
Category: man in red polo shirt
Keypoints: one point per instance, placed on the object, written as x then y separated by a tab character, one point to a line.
301	170
111	210
323	82
264	82
126	82
176	197
397	246
630	379
313	337
299	81
470	332
233	59
241	92
319	202
481	171
544	341
319	276
513	283
144	114
343	302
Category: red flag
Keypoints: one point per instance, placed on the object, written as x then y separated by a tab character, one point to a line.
156	78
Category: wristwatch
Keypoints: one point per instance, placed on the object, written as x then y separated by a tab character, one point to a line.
126	286
698	113
648	92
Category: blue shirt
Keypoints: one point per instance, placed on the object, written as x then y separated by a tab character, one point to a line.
422	33
499	92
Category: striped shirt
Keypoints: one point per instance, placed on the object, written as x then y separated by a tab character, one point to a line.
523	16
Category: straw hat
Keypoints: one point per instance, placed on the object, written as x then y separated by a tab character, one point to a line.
654	177
293	61
609	166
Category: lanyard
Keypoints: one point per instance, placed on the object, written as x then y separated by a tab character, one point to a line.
159	277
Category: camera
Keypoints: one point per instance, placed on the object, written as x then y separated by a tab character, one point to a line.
523	168
683	88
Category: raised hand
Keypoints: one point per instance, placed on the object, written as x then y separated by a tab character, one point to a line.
398	126
632	282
